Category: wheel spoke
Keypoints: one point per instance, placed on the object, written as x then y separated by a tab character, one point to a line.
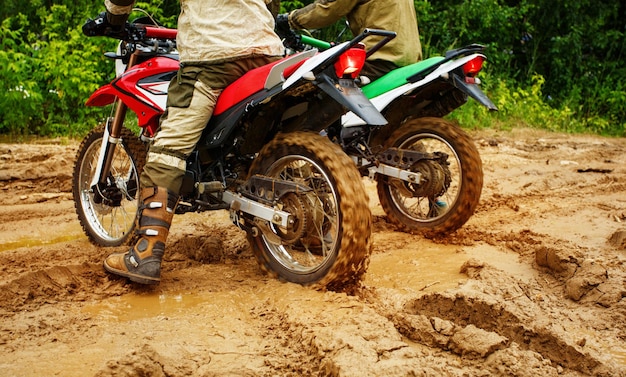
107	212
328	243
311	251
451	178
419	208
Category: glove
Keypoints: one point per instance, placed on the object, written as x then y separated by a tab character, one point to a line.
100	26
282	25
290	38
294	42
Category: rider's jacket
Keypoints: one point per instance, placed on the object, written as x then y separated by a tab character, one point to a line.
214	31
394	15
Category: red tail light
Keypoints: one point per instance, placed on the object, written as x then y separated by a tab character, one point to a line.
351	62
472	67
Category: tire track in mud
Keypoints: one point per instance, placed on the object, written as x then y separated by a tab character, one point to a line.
73	283
48	170
486	327
484	322
454	320
547	166
342	336
578	265
72	271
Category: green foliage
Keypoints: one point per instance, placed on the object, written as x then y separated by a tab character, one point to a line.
557	65
526	107
289	5
577	47
47	76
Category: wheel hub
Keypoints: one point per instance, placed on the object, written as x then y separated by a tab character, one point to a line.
293	204
308	226
109	195
434	182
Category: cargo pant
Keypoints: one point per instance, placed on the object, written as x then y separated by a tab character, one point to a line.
191	100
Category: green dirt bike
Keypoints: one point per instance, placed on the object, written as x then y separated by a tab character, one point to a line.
428	171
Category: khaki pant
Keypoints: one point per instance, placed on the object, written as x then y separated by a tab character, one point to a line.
190	103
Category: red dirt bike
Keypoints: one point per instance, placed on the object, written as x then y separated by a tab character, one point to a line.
297	195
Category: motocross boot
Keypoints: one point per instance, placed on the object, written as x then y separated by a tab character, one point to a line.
142	263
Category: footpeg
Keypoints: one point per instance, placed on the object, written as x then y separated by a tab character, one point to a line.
209	187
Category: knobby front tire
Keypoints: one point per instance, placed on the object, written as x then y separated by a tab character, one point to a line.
109	221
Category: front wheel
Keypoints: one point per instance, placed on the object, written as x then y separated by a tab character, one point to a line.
107	211
328	241
458	183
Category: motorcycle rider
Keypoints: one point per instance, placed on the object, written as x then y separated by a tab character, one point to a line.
392	15
218	41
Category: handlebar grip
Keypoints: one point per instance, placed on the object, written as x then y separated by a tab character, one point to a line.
314	42
162	33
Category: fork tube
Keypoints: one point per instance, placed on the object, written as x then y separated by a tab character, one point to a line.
113	132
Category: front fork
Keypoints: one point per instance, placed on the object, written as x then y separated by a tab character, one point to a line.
111	137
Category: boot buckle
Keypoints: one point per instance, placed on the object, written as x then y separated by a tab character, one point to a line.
132	260
151	232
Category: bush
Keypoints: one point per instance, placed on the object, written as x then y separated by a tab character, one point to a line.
561	69
47	77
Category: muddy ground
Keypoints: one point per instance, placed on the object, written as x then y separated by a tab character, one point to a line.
533	285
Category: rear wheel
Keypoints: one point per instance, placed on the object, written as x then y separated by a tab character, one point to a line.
448	194
328	242
107	211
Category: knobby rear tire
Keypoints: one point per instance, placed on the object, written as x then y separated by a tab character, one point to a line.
460	200
348	259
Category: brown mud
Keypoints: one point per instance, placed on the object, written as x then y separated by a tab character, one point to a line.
533	285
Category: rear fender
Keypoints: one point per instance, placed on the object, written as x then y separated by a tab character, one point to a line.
351	97
474	91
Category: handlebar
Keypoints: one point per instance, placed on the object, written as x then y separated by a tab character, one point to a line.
147	39
323	45
133	32
143	35
147	34
160	33
386	34
316	43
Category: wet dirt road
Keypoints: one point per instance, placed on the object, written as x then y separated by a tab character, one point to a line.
532	285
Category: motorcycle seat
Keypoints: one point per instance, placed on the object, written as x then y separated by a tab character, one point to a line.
397	77
262	78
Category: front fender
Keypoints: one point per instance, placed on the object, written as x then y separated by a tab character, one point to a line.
105	95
